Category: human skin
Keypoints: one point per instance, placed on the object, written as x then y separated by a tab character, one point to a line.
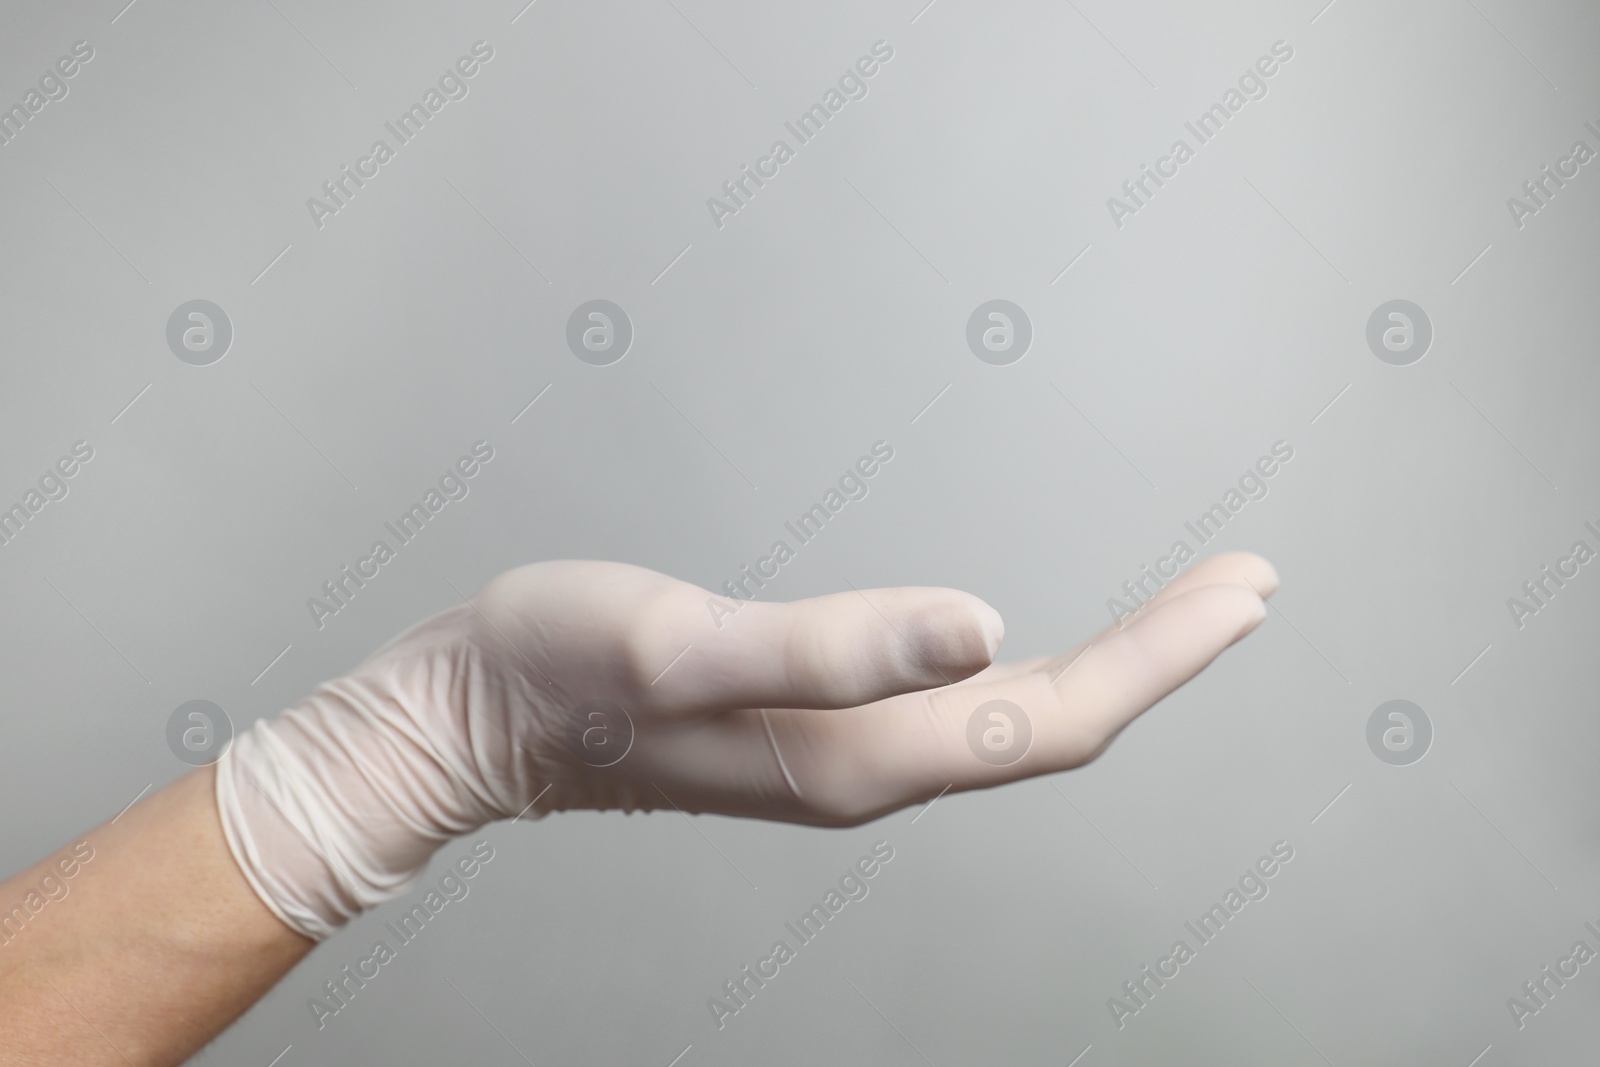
162	942
158	946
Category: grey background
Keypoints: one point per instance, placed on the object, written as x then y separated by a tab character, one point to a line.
828	314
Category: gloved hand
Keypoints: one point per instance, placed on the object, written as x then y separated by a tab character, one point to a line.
600	685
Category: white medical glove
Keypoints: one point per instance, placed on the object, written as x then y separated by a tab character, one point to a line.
601	685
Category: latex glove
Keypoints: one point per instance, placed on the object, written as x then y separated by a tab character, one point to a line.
830	711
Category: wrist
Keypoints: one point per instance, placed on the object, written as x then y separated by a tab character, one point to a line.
336	806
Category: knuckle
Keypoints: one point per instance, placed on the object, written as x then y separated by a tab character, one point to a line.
500	601
650	636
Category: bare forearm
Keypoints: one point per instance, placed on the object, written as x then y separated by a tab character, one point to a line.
151	946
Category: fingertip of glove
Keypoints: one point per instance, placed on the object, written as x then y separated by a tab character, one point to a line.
1248	605
1247	568
992	627
958	633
